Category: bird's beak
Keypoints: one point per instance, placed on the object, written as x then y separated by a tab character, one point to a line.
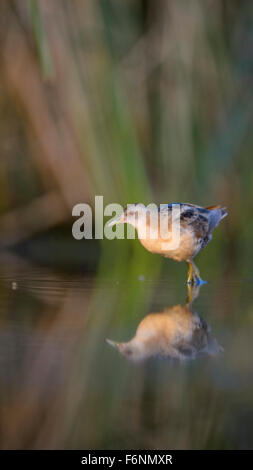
116	220
113	344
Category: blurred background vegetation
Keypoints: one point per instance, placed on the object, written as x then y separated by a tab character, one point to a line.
136	100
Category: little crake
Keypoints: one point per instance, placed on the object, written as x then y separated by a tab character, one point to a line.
196	227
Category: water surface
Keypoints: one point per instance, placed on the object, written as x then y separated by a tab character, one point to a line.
64	386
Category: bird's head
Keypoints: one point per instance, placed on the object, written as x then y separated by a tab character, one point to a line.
133	214
131	350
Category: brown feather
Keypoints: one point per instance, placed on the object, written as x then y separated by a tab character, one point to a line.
210	208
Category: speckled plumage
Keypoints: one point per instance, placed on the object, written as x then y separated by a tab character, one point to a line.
196	227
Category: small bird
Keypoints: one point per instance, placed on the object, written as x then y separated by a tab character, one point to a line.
176	333
196	227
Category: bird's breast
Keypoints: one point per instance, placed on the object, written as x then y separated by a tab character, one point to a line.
179	250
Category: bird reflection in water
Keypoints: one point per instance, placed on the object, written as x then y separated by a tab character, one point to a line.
177	333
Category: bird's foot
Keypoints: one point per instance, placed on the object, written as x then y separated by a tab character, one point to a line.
198	281
194	276
195	281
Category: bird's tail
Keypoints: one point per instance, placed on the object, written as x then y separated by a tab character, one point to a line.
223	210
217	213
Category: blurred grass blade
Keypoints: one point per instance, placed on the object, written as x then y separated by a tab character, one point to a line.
41	39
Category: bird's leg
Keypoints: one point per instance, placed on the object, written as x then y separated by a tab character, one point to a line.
196	275
192	293
190	273
189	294
195	270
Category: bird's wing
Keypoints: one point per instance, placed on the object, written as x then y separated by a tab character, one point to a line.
196	218
202	220
191	217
